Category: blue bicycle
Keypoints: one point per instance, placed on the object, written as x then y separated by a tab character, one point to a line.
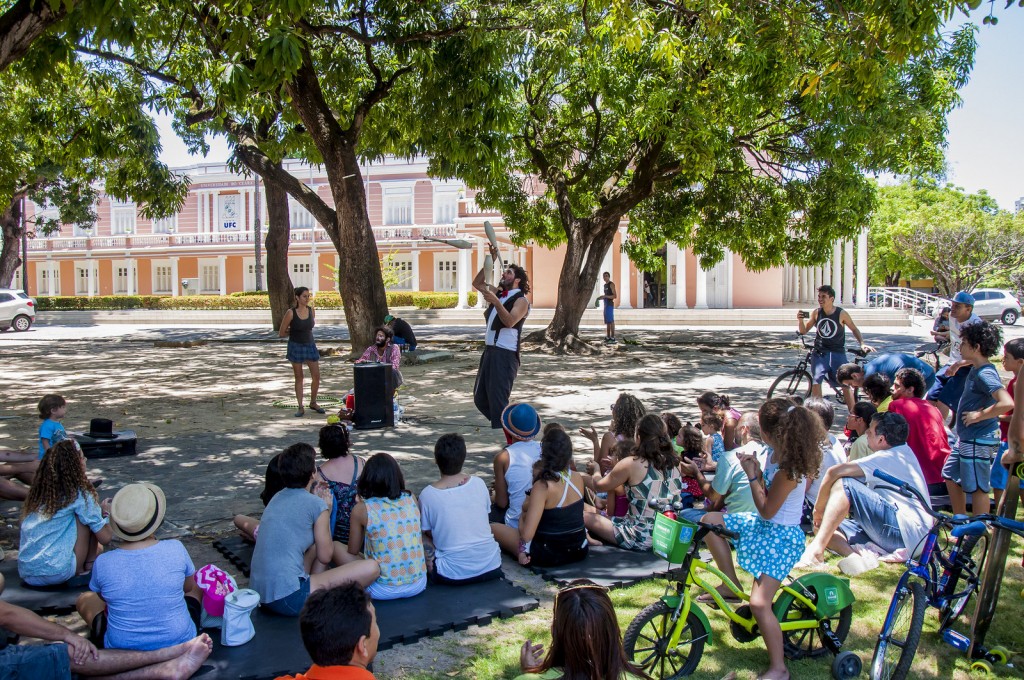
937	578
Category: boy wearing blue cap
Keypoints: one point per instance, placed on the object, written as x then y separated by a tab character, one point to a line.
949	381
513	466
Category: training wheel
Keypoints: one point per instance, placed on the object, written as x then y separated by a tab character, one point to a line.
981	666
846	665
999	654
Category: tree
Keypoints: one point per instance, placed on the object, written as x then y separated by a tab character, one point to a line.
714	125
959	238
66	132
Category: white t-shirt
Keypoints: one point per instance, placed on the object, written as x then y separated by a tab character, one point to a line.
833	454
457	520
954	335
519	477
901	463
505	338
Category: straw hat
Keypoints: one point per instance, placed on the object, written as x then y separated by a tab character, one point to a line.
137	511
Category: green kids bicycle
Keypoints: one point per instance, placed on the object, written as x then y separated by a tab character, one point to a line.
667	638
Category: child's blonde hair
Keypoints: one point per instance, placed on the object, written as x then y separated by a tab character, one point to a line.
50	403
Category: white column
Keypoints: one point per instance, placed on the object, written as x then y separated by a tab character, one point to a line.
816	274
251	207
415	272
701	300
222	269
314	263
624	284
794	283
215	212
91	272
462	272
837	269
804	288
680	262
175	281
862	268
129	266
204	223
848	273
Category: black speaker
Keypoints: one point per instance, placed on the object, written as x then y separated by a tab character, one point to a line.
374	394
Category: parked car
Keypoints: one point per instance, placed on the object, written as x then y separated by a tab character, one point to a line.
992	303
17	310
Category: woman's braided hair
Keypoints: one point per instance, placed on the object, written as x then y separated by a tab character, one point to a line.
58	481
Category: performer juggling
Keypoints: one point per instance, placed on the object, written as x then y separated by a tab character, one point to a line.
506	312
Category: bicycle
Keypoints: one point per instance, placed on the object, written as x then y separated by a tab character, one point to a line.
935	350
934	579
666	639
798	381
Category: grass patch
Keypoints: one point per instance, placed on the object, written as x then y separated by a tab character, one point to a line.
494	650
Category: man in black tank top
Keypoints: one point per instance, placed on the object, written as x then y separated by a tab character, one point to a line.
506	313
830	323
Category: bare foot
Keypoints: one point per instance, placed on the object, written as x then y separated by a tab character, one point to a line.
730	676
196	652
774	675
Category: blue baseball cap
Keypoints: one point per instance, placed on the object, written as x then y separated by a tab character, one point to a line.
964	298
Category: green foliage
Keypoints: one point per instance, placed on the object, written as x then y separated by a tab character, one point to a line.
239	300
440	300
960	239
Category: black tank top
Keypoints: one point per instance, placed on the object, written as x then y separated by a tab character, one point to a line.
608	291
831	332
301	330
564	520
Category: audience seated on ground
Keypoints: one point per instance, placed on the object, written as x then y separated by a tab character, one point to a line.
876	514
927	438
770	540
551	531
626	413
585	640
714	446
16	465
1013	361
832	452
720	403
143	595
75	654
857	424
340	474
878	389
650	473
63	526
294	547
453	515
249	527
513	466
689	446
730	488
386	527
340	633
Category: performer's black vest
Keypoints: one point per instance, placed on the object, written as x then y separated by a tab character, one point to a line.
497	325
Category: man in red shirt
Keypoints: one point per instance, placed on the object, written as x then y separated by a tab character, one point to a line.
339	630
927	439
1013	360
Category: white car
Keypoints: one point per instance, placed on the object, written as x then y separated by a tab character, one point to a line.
992	303
17	310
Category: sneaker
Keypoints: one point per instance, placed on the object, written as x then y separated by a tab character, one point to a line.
855	565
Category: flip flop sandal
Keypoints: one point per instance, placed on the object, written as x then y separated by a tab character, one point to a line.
706	598
317	409
301	412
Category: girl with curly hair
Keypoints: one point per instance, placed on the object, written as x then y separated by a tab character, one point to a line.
626	413
63	522
650	473
770	541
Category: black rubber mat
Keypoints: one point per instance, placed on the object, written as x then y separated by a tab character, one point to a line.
608	566
237	551
49	600
277	648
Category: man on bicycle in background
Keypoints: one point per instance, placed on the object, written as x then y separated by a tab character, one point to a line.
829	354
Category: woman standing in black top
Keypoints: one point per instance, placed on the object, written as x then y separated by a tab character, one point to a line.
297	326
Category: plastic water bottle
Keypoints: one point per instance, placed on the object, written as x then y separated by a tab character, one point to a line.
397	412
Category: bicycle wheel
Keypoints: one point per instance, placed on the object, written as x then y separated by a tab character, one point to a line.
973	559
791	383
807	642
646	642
901	633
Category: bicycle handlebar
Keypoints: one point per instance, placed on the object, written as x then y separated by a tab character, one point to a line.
811	342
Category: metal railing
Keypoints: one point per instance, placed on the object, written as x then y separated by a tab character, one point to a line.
914	301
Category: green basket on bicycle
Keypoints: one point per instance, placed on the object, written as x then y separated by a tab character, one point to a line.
672	537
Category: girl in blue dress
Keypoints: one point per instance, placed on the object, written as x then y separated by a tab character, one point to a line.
770	541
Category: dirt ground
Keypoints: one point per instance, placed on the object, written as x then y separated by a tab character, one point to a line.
207	426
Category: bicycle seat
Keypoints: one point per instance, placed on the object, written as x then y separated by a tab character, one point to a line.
857	351
1011	524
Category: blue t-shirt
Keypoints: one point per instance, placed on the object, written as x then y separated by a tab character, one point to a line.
981	384
48	543
53	431
717	446
144	592
889	364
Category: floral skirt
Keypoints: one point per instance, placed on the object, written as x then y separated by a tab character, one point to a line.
765	547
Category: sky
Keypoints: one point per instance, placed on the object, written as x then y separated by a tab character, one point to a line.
986	137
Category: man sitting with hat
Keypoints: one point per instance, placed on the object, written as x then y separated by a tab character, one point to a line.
513	466
340	632
144	594
404	337
949	381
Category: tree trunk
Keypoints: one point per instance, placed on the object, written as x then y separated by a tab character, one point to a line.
585	250
10	258
25	21
279	284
